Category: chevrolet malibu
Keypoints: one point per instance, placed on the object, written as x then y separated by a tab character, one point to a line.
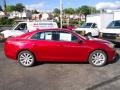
58	45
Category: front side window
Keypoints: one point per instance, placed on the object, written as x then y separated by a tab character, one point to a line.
86	25
22	26
114	24
65	36
48	35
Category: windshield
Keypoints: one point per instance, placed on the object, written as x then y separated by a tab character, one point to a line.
114	24
88	25
13	26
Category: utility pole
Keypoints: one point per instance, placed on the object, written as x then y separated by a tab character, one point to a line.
61	13
4	4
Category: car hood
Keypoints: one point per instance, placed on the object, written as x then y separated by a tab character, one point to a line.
98	40
107	30
81	29
13	33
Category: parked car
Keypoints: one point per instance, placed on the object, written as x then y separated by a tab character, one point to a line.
58	45
24	27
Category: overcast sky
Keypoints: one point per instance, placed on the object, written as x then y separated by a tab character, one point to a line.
51	4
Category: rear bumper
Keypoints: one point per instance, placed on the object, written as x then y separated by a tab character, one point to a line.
10	50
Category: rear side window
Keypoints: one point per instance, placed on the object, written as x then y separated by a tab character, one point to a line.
42	36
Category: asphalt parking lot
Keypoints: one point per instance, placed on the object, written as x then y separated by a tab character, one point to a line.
58	76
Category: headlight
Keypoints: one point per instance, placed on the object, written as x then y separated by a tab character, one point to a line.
110	44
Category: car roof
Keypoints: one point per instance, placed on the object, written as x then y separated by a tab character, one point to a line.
27	35
52	29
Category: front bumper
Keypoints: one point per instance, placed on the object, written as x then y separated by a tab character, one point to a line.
110	35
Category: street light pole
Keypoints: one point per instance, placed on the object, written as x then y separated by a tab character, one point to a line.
61	12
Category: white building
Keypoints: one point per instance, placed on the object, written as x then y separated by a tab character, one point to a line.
36	16
41	16
2	14
26	14
45	16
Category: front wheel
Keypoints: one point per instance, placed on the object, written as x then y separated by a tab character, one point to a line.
26	58
98	58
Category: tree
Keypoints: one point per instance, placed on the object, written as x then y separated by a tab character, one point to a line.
56	12
19	7
35	11
4	3
85	10
1	8
10	8
93	10
69	11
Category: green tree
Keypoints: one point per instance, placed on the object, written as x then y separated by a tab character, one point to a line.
19	7
10	8
85	10
35	11
93	10
69	11
1	8
56	12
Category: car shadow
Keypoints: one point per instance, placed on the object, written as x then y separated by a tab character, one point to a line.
42	63
117	46
104	83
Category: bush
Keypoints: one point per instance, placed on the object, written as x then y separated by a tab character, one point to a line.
6	21
81	22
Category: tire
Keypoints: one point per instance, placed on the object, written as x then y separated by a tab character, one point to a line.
89	34
26	59
98	58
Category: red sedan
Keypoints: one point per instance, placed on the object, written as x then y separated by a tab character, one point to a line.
58	45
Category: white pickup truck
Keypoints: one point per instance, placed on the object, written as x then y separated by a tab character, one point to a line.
24	27
88	28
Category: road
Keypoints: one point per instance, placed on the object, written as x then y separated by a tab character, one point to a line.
58	76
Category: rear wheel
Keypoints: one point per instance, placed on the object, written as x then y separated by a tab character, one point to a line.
26	58
98	58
